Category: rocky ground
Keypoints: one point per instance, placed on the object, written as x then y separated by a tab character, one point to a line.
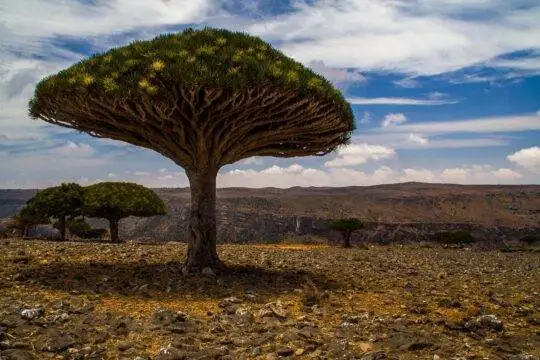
130	301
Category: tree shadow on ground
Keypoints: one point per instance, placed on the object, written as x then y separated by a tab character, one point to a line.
152	279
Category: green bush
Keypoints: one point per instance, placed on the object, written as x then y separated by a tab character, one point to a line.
94	234
457	237
78	226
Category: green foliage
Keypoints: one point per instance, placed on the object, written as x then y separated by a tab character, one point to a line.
56	202
209	58
454	237
117	200
350	224
93	233
27	217
78	226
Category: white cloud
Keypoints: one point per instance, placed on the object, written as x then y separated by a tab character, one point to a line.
366	118
298	175
112	175
408	83
511	123
435	95
455	174
528	158
401	140
383	174
506	174
282	177
25	24
422	175
254	160
358	154
398	101
412	37
342	78
417	139
71	149
393	119
527	63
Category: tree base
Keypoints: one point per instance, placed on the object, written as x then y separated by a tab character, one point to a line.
208	267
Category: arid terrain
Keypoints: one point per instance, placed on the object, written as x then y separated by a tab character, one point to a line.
131	301
270	214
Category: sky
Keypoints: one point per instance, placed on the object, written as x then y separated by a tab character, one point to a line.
443	91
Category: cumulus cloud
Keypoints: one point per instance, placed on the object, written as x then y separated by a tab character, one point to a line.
393	119
528	158
358	154
506	174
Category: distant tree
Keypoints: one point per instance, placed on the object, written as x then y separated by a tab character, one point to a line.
117	200
58	202
346	227
24	220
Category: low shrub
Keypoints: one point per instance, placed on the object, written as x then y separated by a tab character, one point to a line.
78	226
94	234
507	248
457	237
306	239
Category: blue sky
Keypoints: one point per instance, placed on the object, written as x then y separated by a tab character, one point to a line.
442	90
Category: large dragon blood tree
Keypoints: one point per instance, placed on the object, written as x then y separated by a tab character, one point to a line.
203	98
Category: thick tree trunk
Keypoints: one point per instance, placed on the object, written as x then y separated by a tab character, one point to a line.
62	227
201	235
347	239
113	226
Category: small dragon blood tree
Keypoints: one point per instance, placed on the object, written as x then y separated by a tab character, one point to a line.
203	98
115	201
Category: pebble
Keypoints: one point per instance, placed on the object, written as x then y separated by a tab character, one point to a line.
30	314
285	351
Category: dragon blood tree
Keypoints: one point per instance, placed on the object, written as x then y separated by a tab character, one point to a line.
203	98
115	201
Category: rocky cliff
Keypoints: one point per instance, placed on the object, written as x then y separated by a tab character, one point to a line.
396	211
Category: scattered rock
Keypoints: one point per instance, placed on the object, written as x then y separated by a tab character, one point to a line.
33	313
16	354
171	353
123	346
59	343
229	301
418	345
365	347
376	355
274	310
420	309
488	322
285	351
